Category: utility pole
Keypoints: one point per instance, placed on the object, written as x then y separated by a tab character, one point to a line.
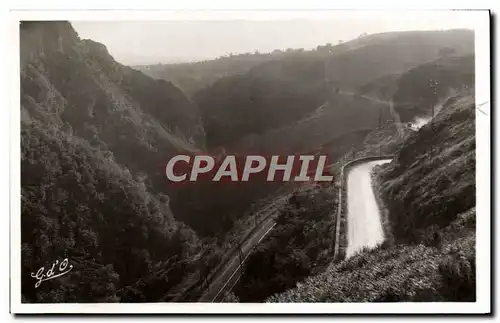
433	87
380	118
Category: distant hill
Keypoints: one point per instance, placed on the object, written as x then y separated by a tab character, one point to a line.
350	64
393	53
281	91
192	77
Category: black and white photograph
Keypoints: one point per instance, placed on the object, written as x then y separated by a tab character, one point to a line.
252	160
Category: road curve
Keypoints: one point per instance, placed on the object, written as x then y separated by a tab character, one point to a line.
364	227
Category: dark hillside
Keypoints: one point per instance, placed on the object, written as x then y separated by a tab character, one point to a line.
394	53
78	203
340	116
438	178
270	95
76	85
95	136
432	84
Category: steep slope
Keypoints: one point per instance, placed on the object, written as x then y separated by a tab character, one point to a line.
76	85
428	86
341	115
416	91
78	203
429	191
92	133
438	178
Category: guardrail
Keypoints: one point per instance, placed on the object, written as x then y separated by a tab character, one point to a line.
343	202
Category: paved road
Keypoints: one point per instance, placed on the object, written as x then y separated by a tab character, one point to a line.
364	228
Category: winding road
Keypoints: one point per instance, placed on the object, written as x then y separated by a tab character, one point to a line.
364	227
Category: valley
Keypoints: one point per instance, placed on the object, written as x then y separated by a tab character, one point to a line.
97	137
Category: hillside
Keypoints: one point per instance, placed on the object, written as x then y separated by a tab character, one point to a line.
275	101
192	77
300	244
94	137
416	91
393	53
432	84
269	96
76	86
439	178
429	190
341	116
77	203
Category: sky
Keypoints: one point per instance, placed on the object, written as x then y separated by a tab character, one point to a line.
151	42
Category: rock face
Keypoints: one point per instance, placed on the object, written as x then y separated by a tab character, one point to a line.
77	86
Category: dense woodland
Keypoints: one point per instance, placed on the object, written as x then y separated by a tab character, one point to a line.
301	244
96	136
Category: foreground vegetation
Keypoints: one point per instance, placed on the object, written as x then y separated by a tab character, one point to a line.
122	241
301	244
394	274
